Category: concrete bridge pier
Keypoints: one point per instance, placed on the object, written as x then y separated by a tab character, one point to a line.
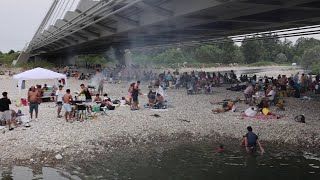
127	57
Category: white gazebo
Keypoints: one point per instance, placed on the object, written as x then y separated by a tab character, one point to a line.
38	74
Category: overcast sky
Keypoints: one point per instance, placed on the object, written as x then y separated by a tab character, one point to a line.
20	20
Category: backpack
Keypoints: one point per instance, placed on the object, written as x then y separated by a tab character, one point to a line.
300	119
111	107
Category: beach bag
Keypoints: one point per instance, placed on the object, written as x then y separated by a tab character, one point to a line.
250	112
300	119
111	107
116	102
265	111
96	108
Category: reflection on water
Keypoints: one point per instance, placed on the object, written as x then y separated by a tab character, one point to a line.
182	162
25	173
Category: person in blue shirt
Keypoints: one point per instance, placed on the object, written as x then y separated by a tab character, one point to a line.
250	141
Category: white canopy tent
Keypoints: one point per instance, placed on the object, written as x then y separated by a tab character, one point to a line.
37	74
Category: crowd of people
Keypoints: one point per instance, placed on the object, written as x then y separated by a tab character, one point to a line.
261	92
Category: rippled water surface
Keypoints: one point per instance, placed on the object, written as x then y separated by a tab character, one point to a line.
180	162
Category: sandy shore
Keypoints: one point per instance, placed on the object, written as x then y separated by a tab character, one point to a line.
50	134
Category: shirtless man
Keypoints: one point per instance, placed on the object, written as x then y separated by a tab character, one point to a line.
67	98
97	98
33	99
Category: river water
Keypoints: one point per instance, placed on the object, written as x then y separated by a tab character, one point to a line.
185	161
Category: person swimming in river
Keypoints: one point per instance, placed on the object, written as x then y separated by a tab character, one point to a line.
220	149
250	141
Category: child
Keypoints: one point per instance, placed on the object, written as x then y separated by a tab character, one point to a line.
123	101
220	149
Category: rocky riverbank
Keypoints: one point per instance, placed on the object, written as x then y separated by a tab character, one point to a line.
50	136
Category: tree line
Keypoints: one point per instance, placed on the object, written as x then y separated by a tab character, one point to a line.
260	48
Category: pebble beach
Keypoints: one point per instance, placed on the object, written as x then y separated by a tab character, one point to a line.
187	113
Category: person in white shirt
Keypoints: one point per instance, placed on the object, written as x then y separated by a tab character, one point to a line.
271	94
123	101
59	95
159	90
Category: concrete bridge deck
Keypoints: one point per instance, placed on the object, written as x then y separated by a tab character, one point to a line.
96	25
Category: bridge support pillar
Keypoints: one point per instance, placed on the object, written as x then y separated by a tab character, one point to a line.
23	58
70	60
37	58
128	58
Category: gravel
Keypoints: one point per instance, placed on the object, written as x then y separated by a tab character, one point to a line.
50	134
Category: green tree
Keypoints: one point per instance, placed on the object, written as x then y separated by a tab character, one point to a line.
270	47
8	58
281	58
11	52
238	57
297	59
209	54
287	48
91	59
303	44
228	51
170	56
251	49
311	57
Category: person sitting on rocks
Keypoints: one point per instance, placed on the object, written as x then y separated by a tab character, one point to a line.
123	101
82	77
45	88
159	101
271	94
227	106
151	98
97	99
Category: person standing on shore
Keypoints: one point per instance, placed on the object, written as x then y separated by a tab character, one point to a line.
248	93
135	93
67	99
33	99
250	141
5	113
59	95
86	92
100	80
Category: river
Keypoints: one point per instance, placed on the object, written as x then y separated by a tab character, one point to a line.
185	161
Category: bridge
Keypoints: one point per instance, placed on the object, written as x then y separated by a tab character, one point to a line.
95	26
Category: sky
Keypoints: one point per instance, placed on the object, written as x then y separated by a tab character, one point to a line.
20	20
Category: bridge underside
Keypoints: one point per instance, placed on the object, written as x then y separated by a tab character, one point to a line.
155	22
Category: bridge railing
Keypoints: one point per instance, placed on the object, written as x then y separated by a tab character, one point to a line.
71	22
73	25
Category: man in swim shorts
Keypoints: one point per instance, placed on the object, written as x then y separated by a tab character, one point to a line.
67	99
